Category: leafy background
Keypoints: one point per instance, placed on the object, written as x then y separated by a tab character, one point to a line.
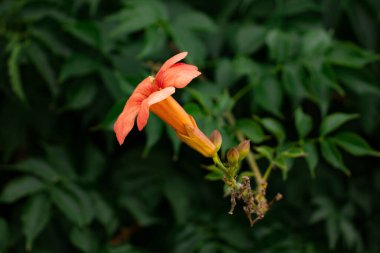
292	72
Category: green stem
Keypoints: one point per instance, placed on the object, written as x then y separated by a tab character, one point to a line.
268	171
218	162
260	181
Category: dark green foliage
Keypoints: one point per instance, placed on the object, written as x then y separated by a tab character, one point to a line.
300	77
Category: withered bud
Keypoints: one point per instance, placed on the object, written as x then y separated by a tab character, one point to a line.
243	149
216	139
233	156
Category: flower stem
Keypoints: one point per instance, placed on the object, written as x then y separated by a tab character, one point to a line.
260	181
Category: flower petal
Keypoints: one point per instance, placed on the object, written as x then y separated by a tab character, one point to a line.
126	119
154	98
179	75
173	60
125	122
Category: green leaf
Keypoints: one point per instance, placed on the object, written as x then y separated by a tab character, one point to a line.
293	152
4	233
281	163
282	45
250	38
139	210
14	72
251	129
195	20
265	151
111	116
105	214
176	143
86	31
42	64
78	65
304	123
39	168
34	218
294	7
333	121
84	201
354	144
311	156
178	193
332	155
136	16
153	131
68	205
84	239
316	42
49	39
349	55
155	40
19	188
358	83
292	76
274	127
225	75
80	96
268	94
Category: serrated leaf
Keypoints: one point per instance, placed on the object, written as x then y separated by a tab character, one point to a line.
19	188
34	218
68	205
354	144
41	62
332	155
311	156
303	122
39	168
14	72
334	121
274	127
251	129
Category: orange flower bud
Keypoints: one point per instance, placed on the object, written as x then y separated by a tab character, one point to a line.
216	139
243	149
233	156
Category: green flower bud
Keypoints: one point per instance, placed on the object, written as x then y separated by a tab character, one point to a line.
233	156
216	139
243	149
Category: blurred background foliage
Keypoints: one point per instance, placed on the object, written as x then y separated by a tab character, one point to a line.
297	73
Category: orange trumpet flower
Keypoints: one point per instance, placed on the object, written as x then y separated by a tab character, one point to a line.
154	94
